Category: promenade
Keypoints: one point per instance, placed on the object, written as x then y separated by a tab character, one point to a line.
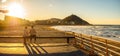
19	49
49	43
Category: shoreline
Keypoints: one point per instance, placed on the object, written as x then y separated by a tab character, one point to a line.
93	32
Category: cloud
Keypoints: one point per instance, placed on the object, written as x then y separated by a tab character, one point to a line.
21	0
50	5
3	1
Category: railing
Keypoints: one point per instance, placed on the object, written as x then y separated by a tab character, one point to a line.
94	45
19	39
91	44
40	34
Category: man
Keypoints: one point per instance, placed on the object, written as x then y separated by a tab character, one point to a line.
25	35
32	34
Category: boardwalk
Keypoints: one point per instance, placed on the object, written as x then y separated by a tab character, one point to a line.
19	49
49	43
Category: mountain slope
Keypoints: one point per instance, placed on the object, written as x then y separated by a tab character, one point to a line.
73	19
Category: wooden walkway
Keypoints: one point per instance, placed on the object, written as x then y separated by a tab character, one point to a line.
49	43
33	49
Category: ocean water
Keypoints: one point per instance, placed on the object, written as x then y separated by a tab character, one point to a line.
111	32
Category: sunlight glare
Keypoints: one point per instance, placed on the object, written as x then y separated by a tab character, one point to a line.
3	1
16	10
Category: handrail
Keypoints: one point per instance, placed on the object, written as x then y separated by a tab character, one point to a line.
99	45
65	37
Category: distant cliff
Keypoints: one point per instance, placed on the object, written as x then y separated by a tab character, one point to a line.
70	20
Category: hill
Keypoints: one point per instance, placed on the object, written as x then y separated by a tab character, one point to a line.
69	20
74	20
52	21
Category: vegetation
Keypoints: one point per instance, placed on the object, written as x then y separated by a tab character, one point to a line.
70	20
15	21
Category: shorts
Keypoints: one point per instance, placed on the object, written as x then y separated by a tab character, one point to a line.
32	35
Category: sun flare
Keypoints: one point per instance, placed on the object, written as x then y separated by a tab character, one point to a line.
3	1
15	9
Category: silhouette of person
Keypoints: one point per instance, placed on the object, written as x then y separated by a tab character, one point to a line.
26	34
32	34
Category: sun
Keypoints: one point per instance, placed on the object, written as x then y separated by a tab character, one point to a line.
15	9
3	1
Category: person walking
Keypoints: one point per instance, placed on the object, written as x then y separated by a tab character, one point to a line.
26	34
32	34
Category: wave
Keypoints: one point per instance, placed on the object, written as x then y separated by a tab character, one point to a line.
112	32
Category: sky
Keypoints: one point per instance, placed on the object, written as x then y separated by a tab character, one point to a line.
93	11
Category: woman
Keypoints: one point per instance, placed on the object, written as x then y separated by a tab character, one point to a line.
32	34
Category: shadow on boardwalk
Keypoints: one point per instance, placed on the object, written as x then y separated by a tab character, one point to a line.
37	50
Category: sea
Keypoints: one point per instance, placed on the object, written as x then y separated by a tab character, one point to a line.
110	31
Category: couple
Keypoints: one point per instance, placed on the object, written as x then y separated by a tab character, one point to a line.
29	34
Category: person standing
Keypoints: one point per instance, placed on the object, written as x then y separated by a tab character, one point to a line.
32	34
26	34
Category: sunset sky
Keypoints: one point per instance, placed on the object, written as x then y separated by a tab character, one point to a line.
93	11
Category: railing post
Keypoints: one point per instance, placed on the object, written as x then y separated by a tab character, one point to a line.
68	40
81	41
106	48
75	41
65	33
92	46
